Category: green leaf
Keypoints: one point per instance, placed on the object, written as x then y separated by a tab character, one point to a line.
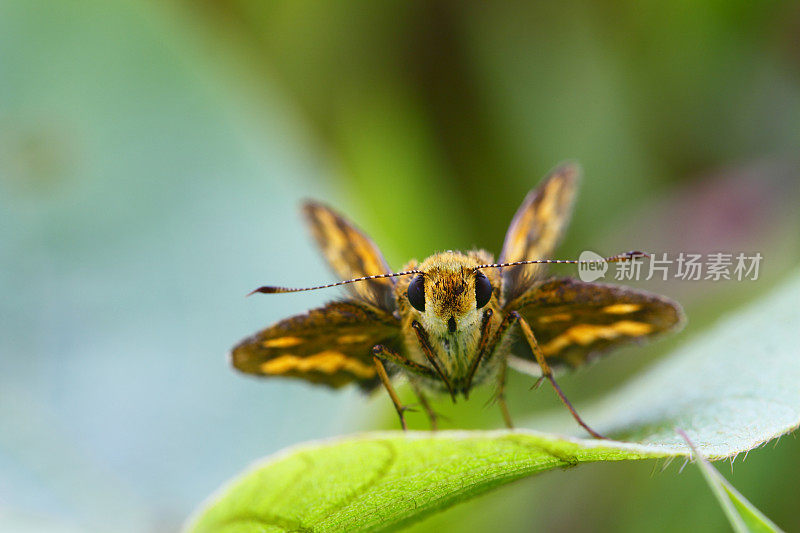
743	515
379	480
730	390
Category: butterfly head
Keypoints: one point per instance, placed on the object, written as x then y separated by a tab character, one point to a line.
449	293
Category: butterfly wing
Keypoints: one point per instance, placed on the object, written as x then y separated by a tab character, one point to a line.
351	254
537	227
574	321
331	345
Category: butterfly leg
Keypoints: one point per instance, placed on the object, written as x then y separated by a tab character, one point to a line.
548	373
381	352
433	416
501	394
392	394
385	354
425	344
490	348
482	345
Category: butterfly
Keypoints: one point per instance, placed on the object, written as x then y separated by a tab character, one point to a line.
457	319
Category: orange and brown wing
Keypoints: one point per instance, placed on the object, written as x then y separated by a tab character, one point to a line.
331	345
351	254
537	227
573	320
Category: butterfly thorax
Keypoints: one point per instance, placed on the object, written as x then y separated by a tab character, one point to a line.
451	319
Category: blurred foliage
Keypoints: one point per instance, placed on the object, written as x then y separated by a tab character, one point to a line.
152	155
742	515
453	110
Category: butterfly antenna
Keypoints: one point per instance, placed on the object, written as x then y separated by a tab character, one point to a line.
269	289
626	256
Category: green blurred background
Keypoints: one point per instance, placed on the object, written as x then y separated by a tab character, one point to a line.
153	154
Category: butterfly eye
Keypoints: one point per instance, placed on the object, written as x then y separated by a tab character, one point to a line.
416	293
483	290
